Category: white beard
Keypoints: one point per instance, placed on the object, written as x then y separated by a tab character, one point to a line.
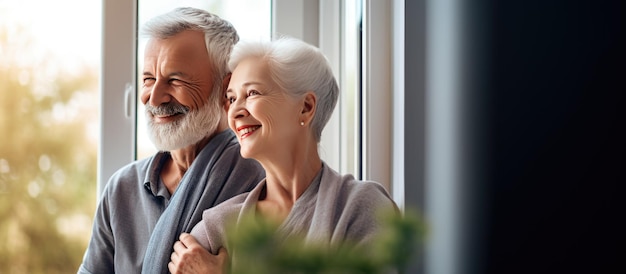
193	127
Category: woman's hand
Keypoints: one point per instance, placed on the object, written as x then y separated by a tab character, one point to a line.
190	257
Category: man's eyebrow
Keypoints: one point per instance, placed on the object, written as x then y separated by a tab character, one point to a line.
177	73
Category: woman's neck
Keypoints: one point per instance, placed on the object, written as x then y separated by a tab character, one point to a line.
287	177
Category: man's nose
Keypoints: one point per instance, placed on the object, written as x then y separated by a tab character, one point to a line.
160	93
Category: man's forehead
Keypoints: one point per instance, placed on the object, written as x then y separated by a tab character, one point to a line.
185	49
183	41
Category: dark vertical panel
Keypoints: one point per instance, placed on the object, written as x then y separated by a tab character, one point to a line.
546	151
474	143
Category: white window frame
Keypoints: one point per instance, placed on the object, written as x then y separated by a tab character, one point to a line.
377	92
117	93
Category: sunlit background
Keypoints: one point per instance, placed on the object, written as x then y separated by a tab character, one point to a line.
49	67
49	116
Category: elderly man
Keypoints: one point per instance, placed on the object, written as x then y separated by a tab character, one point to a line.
147	204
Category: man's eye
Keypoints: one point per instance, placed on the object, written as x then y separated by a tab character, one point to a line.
148	79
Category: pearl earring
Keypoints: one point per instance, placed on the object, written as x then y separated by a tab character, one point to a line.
302	123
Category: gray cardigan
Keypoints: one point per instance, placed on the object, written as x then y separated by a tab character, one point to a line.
332	209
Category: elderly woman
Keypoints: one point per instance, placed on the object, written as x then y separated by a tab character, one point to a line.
280	97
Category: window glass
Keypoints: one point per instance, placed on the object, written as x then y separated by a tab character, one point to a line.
49	70
251	18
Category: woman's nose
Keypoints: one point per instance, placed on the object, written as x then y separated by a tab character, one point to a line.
238	109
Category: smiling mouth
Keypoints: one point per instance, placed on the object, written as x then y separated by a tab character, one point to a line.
165	118
247	130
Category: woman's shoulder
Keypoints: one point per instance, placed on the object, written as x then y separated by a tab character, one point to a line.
211	230
359	192
228	207
348	183
366	191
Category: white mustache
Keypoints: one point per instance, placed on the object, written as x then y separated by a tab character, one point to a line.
167	109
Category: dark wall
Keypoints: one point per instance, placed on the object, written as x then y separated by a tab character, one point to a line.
544	110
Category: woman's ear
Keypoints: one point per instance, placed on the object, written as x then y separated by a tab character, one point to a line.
225	83
308	107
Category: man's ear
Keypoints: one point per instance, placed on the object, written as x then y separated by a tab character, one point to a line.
309	106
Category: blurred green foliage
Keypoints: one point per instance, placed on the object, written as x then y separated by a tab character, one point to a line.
257	249
47	161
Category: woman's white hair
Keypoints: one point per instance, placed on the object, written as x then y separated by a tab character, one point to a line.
219	35
296	67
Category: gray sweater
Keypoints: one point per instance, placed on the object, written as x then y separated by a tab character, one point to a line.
334	208
134	199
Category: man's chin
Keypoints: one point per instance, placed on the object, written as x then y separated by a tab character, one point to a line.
169	145
166	147
173	141
183	133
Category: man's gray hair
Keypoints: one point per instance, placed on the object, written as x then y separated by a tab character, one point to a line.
219	35
296	67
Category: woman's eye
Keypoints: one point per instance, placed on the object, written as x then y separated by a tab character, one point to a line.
253	92
230	100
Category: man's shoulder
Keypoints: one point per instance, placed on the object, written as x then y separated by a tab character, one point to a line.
130	175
